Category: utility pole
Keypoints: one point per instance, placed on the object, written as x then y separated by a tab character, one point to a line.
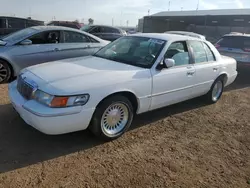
169	3
148	12
127	23
198	4
112	21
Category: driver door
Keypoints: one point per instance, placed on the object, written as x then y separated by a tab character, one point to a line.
38	52
175	84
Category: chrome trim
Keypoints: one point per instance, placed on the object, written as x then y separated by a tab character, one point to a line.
49	115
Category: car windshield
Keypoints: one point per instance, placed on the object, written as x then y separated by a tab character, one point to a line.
18	35
133	50
87	28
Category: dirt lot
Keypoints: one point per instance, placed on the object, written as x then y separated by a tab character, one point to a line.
186	145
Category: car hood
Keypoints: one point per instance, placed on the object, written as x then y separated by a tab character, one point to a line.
72	75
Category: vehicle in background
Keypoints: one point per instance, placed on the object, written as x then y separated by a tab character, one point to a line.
185	33
40	44
74	25
132	75
12	24
104	32
235	45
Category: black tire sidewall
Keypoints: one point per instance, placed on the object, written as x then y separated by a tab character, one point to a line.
95	125
8	72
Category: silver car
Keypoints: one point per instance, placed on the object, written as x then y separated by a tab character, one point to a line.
42	44
235	45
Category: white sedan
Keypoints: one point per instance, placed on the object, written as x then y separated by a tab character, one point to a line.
132	75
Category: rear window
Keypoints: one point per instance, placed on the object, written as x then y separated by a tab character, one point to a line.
234	42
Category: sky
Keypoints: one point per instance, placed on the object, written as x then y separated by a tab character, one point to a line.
118	12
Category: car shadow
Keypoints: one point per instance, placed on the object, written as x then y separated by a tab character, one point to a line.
21	145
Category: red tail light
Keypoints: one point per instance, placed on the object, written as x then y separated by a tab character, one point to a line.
246	49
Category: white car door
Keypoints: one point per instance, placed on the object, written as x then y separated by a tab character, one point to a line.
75	44
175	84
206	66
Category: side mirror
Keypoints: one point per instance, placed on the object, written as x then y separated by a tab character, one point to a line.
169	63
26	42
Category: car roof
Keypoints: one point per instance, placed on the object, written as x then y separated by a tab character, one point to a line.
106	26
191	34
165	36
237	34
49	28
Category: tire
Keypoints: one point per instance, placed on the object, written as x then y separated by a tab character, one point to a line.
112	118
214	94
5	72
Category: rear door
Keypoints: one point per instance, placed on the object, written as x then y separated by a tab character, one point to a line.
74	44
206	66
237	47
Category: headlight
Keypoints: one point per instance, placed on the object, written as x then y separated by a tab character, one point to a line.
60	101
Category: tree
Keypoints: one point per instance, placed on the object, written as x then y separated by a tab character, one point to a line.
91	21
77	21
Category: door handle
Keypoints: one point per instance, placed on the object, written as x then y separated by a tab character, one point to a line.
56	49
215	69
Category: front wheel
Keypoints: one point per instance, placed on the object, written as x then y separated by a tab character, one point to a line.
5	72
112	117
216	91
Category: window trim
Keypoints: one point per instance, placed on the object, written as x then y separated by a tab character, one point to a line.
210	51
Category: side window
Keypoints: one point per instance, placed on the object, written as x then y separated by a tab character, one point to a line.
178	51
95	30
93	40
74	37
106	30
109	30
210	54
46	37
199	52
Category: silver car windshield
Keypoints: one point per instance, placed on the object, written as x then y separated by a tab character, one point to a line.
133	50
18	35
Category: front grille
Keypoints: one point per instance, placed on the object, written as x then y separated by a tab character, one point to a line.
24	88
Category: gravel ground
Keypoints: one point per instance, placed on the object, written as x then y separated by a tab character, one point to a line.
185	145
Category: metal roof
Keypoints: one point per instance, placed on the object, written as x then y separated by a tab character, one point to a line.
218	12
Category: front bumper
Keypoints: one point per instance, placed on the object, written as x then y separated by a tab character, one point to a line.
50	121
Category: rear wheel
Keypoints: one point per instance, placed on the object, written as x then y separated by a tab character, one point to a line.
216	91
5	72
112	118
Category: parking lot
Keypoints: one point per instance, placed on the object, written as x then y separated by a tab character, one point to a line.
185	145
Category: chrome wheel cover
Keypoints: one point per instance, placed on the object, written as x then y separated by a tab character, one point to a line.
217	90
114	119
3	72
